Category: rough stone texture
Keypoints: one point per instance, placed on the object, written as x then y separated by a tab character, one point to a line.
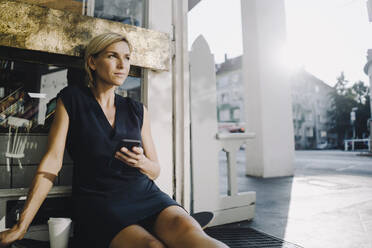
38	28
68	5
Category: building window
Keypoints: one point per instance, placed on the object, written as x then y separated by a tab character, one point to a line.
309	132
225	115
236	114
323	134
309	116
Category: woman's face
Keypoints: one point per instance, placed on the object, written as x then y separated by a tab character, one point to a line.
111	66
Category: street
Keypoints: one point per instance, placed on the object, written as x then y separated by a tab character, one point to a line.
327	203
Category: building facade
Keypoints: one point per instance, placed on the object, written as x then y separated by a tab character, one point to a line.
311	102
229	92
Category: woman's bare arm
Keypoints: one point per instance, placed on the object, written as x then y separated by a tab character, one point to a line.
47	171
151	167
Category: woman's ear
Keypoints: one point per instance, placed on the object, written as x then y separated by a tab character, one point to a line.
92	63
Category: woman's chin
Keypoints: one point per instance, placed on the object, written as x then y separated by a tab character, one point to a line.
114	83
117	83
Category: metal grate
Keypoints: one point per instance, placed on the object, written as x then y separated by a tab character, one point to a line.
30	243
233	237
247	237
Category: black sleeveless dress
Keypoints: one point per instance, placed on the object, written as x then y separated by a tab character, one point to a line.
108	194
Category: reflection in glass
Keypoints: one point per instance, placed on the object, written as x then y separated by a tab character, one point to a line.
124	11
131	88
28	92
27	105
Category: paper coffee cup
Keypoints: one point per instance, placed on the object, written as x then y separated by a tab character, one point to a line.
59	232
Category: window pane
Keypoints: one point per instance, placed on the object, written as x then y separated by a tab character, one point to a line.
124	11
27	104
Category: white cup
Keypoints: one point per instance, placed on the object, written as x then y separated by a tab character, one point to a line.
59	232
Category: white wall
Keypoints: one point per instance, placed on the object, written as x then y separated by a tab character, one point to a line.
267	98
159	98
181	111
168	101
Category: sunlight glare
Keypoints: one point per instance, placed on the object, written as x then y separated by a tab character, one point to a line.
290	58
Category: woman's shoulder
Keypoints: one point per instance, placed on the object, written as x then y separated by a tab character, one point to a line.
137	106
128	100
71	91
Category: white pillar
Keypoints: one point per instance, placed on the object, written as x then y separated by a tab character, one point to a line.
168	101
158	98
181	104
267	89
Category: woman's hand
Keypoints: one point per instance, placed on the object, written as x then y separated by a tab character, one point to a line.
134	158
9	236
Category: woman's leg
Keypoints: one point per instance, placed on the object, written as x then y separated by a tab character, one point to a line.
178	229
135	236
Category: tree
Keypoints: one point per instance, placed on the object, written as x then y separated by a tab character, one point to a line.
362	115
343	100
340	85
340	114
361	91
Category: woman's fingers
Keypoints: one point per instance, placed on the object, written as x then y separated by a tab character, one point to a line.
134	158
9	236
135	153
125	158
138	150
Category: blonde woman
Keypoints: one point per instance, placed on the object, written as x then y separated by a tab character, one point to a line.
116	202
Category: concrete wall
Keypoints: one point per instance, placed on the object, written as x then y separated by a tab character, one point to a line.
268	99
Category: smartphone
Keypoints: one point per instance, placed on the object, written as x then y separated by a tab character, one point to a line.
128	143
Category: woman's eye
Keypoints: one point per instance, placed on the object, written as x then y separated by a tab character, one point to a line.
111	56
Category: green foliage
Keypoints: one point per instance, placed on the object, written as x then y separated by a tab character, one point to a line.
361	91
343	100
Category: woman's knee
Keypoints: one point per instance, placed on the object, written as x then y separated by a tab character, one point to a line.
184	224
144	242
154	243
135	236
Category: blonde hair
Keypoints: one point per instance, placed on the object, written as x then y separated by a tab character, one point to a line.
97	45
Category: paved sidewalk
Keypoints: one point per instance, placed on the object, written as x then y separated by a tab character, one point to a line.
328	202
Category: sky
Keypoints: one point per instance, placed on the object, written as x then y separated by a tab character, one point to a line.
323	36
213	25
